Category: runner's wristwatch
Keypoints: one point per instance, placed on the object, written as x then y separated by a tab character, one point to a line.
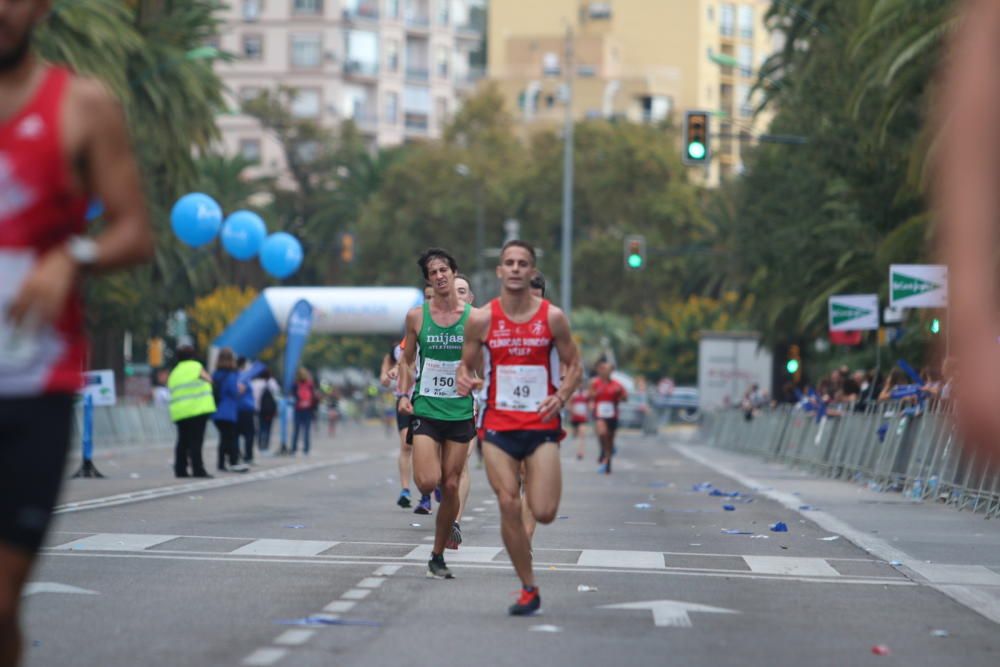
83	250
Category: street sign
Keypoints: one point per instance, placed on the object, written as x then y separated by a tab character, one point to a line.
918	286
671	613
853	312
891	315
100	386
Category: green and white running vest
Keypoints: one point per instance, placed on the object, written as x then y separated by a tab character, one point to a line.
435	394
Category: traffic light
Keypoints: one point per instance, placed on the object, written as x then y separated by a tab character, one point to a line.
347	247
154	352
935	326
794	362
635	253
696	147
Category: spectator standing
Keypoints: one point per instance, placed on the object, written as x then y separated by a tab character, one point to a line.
265	395
246	413
191	404
225	382
161	394
305	401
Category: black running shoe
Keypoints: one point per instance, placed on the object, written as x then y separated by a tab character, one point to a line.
436	569
455	538
404	498
527	604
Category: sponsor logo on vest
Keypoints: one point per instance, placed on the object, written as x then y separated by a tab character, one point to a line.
843	313
904	286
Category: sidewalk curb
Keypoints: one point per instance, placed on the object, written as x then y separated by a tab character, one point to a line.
970	597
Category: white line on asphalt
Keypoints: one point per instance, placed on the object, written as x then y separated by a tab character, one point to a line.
551	567
371	582
979	601
265	656
809	567
270	547
116	542
938	573
294	637
356	594
178	489
387	570
463	555
610	558
340	606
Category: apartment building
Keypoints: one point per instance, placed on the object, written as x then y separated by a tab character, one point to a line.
639	60
397	68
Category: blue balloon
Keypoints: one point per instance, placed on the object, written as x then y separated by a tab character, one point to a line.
281	254
95	209
243	232
196	219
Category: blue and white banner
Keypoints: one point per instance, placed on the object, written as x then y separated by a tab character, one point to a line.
297	331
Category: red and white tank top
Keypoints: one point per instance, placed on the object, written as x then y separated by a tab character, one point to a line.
39	210
607	395
522	368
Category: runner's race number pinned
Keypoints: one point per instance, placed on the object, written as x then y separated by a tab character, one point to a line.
437	379
521	388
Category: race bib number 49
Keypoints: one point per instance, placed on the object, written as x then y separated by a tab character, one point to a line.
521	388
437	379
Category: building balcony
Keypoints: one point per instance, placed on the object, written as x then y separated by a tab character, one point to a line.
366	121
416	122
418	23
358	69
470	78
468	32
418	74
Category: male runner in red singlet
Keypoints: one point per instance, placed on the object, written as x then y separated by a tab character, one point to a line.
604	395
519	335
62	140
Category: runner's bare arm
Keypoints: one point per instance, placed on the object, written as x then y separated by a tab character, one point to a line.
472	351
569	359
100	150
404	383
968	171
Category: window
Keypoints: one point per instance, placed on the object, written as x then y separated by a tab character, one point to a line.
746	21
443	12
710	11
253	47
362	51
726	20
392	108
391	55
307	50
392	9
441	110
250	150
599	10
307	7
305	104
743	97
251	10
442	62
550	64
745	60
416	99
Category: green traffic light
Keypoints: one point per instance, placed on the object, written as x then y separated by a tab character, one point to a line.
635	260
935	326
696	150
792	366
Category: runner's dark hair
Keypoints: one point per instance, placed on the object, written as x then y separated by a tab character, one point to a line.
436	253
538	281
518	243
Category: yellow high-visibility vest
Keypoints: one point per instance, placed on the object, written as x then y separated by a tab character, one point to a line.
190	396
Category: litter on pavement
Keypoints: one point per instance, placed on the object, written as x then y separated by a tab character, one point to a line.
583	588
779	527
642	506
736	531
546	628
704	486
415	525
729	508
830	539
759	537
323	619
881	649
939	633
294	525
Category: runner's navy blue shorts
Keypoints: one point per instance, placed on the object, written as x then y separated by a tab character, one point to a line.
34	440
519	445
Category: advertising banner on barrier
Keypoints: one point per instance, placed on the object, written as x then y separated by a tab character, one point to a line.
100	386
297	333
918	286
853	312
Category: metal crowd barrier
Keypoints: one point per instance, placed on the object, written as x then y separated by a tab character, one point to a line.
888	446
132	426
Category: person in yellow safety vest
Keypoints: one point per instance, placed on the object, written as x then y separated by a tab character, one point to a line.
191	404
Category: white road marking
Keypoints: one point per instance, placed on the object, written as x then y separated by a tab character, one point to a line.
937	573
356	594
463	555
671	613
371	582
610	558
294	637
340	606
805	567
387	570
271	547
36	587
982	602
265	656
116	542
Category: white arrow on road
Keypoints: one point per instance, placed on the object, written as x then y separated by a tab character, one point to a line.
671	613
36	587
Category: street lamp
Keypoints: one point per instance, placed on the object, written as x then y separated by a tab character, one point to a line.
464	171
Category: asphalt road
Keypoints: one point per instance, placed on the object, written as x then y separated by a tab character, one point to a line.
142	570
